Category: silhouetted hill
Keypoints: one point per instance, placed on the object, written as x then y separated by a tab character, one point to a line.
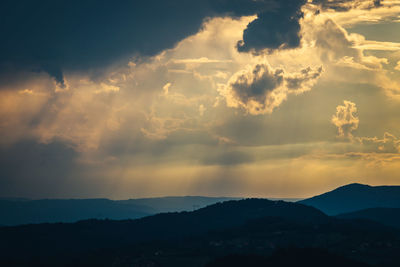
355	197
95	234
24	211
387	216
251	226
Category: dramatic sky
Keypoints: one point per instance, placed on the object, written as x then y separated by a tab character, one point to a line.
263	98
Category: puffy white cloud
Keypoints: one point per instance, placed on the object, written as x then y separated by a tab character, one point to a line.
346	119
345	56
335	46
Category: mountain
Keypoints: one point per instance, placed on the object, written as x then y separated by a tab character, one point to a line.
387	216
355	197
196	238
25	211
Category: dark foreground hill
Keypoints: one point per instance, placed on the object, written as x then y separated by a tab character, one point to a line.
25	211
355	197
387	216
290	257
246	227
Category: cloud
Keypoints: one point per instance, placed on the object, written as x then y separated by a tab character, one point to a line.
275	28
377	45
385	11
141	99
76	36
302	81
397	66
166	88
106	88
260	89
346	119
257	89
345	55
201	60
334	43
345	5
389	143
228	158
202	109
140	122
336	46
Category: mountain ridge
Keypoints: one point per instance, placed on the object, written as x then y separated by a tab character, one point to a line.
355	196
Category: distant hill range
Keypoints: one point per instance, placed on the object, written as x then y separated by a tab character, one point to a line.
349	201
355	197
16	211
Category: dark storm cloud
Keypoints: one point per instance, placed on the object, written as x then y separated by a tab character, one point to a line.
295	82
275	28
262	89
57	36
256	86
378	3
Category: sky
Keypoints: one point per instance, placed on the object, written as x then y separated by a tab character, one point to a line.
244	98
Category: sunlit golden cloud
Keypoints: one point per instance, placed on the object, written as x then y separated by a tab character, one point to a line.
346	119
397	66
